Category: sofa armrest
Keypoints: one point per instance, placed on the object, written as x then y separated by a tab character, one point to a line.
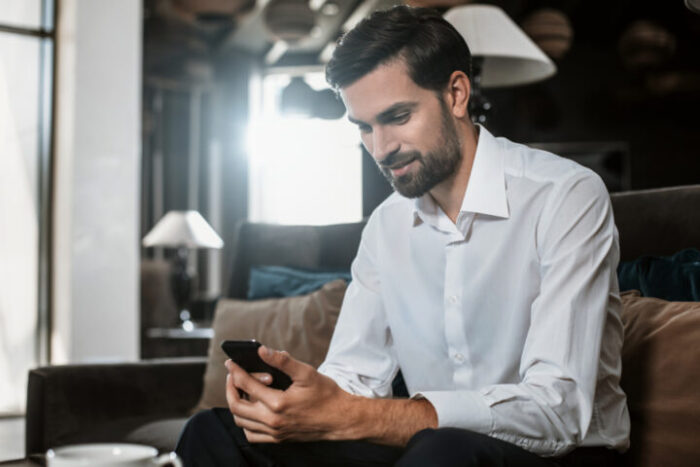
69	402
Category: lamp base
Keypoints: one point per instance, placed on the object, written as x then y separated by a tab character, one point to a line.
186	322
181	284
479	105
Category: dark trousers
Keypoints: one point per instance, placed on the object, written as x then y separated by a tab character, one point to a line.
211	438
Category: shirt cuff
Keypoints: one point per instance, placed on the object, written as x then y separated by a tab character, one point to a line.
460	409
346	383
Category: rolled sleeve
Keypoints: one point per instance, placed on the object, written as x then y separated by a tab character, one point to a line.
360	358
460	409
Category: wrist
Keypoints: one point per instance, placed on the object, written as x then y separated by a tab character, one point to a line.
356	418
385	421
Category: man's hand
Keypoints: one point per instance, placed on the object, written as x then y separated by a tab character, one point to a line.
310	409
315	408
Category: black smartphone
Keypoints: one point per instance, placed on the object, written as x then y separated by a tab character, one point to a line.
245	354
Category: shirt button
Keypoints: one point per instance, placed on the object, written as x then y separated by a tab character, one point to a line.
453	299
459	357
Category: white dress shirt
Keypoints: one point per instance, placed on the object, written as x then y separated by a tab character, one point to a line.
507	322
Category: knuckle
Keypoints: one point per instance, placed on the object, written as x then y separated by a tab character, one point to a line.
307	371
277	405
279	436
275	422
283	356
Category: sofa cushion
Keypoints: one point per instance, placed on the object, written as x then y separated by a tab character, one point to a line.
302	325
281	281
161	434
675	278
661	368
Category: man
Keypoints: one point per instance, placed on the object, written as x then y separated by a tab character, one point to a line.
488	279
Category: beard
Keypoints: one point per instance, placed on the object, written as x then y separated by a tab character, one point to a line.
434	166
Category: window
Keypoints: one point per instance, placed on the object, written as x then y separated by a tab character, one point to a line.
302	170
26	55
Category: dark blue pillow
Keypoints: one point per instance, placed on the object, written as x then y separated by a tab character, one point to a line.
281	281
674	278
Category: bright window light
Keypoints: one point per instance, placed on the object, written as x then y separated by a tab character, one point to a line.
301	170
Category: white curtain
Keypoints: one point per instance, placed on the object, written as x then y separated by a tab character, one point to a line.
19	215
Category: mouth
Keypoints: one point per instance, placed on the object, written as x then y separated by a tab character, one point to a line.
401	168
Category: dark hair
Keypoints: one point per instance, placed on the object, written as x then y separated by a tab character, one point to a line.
430	46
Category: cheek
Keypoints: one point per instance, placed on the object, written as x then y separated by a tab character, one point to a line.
367	142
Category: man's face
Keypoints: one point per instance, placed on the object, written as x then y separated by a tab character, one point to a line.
408	129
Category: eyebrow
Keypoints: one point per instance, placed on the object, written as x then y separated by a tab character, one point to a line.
387	114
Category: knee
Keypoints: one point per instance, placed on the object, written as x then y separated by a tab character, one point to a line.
199	422
444	447
199	426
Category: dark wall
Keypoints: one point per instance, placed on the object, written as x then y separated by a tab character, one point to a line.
593	99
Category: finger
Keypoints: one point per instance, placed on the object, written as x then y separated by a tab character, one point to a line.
253	437
234	395
248	407
242	406
265	378
242	380
253	425
281	360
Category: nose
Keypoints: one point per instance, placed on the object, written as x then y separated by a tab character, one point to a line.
382	144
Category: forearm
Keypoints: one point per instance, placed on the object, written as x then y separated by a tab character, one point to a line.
389	421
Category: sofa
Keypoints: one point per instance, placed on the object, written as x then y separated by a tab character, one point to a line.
149	401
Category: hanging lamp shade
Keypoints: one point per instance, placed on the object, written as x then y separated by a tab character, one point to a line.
510	57
550	30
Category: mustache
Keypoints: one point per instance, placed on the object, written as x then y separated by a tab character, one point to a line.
399	159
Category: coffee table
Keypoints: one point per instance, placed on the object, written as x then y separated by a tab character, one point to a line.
21	463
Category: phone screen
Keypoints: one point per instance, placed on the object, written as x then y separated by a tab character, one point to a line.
245	354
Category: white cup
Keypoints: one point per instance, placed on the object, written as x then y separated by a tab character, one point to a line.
109	455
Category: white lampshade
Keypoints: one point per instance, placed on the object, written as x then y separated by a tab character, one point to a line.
183	229
510	57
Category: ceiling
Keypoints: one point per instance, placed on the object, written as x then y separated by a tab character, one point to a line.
190	34
283	32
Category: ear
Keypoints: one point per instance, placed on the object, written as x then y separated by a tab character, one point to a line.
457	93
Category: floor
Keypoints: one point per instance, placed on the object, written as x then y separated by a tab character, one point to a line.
11	438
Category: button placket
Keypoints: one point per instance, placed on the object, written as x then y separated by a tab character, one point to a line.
454	319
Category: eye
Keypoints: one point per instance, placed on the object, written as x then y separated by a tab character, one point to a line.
364	128
401	118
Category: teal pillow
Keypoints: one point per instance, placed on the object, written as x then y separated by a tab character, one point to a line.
282	281
674	278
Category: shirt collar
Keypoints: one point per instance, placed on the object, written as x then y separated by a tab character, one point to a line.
486	190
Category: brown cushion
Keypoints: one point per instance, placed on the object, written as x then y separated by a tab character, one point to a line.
303	326
661	376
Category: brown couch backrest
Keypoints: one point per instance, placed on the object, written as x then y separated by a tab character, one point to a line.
657	222
651	222
318	247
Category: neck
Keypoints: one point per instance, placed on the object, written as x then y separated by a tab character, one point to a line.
449	194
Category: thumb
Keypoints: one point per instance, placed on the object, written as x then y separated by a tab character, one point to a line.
284	362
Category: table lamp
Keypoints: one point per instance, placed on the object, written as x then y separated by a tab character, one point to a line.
182	231
502	54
